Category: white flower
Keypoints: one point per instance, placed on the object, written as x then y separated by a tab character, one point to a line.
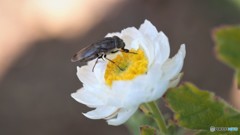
117	94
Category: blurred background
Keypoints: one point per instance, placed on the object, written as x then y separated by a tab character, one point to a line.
38	38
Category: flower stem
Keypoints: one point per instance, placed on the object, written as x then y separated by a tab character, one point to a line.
157	116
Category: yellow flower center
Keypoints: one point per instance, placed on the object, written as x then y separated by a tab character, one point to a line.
131	66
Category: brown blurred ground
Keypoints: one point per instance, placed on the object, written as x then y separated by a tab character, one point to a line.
35	92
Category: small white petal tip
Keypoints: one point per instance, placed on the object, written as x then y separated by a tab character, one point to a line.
182	50
146	21
73	95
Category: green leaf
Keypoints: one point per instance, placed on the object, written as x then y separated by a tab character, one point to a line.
199	110
237	2
173	129
227	41
147	130
137	120
228	45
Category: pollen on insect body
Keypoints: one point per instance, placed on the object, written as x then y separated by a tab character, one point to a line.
132	65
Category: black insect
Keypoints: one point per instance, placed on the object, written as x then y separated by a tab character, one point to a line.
101	49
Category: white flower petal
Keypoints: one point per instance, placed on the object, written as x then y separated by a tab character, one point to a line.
159	89
174	82
147	46
148	30
132	32
137	89
134	89
173	66
86	76
150	89
162	48
101	112
122	116
158	85
130	36
85	97
99	71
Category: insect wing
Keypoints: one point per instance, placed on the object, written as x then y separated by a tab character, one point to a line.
88	53
105	45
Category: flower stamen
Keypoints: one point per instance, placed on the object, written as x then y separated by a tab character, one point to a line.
131	64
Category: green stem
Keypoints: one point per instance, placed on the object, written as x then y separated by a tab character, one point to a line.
157	116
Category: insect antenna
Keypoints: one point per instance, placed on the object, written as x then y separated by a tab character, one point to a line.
113	62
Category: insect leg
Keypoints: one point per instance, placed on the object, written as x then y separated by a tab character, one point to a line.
105	56
114	51
96	62
127	51
102	58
